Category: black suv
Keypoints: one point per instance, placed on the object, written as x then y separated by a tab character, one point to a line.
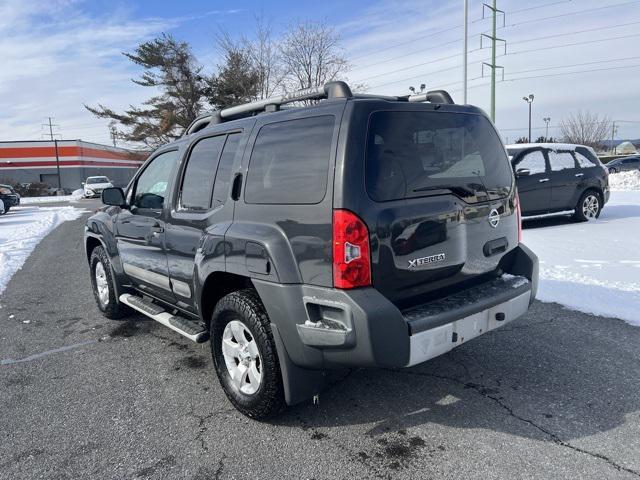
358	231
9	198
559	178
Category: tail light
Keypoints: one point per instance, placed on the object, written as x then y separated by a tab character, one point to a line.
516	200
351	252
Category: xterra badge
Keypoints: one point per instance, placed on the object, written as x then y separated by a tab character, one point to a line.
417	262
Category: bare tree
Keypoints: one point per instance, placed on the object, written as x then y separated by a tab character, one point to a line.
585	128
265	55
311	56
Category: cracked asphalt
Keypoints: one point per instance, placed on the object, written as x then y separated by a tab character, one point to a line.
555	394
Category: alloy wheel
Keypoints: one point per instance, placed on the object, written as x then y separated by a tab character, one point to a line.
591	206
102	284
242	357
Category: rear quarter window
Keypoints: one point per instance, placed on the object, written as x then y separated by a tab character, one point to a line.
290	161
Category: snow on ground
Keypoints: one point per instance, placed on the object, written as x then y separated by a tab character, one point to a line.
76	195
625	180
593	267
22	229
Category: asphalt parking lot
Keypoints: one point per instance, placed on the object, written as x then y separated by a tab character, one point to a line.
555	394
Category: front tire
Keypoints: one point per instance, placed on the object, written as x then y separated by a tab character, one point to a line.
589	206
103	284
2	210
244	355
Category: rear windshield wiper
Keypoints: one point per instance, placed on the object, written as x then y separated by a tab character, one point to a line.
456	190
433	187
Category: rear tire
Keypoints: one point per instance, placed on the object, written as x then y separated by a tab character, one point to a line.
245	356
103	284
6	209
589	206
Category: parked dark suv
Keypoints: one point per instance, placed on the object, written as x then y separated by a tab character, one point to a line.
558	178
9	198
358	231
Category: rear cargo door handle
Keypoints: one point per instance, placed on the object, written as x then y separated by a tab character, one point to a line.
542	180
579	174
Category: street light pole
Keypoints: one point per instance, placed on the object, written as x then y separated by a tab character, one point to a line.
529	100
464	55
546	132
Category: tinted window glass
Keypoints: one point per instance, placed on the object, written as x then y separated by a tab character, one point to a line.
290	161
534	161
412	154
200	173
561	161
583	161
223	180
151	186
91	180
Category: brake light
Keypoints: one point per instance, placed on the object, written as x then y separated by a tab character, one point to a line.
516	200
351	253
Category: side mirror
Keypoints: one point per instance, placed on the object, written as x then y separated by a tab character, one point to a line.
113	196
523	172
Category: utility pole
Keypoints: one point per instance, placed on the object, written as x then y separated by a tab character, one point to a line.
464	54
546	132
529	100
113	132
613	133
494	12
55	145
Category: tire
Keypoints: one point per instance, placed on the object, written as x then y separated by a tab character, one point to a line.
589	206
106	300
613	170
7	208
2	208
240	317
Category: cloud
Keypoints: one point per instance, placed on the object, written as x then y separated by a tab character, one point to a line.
55	57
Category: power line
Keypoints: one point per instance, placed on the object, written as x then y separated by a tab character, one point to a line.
512	12
575	33
574	44
574	65
589	10
572	73
407	55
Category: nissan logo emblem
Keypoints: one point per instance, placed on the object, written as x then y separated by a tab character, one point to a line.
494	218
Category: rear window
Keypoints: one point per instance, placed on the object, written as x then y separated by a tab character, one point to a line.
413	154
290	161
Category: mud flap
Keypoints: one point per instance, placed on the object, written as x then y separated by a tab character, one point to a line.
300	384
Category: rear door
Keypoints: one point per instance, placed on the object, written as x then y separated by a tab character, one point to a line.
534	182
441	210
566	179
200	209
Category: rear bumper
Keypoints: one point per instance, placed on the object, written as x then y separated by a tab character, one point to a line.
328	328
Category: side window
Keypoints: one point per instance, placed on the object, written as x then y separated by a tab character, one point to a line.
290	162
561	161
583	161
200	172
151	185
223	180
533	161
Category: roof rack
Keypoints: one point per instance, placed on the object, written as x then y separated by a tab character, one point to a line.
327	91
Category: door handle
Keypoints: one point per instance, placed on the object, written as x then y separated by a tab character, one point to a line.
579	174
156	229
542	180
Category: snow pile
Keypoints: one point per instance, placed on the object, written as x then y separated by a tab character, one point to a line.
74	197
22	229
593	267
625	181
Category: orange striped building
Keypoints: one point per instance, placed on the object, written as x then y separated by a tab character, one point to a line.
35	161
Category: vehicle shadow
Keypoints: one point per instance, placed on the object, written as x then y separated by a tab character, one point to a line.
560	378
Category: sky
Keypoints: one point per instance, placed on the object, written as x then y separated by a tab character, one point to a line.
58	55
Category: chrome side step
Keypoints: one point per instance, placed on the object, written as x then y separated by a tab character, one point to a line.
193	330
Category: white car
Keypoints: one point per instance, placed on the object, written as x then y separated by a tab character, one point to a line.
93	186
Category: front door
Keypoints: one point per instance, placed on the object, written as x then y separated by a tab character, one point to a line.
534	189
140	229
201	214
564	180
